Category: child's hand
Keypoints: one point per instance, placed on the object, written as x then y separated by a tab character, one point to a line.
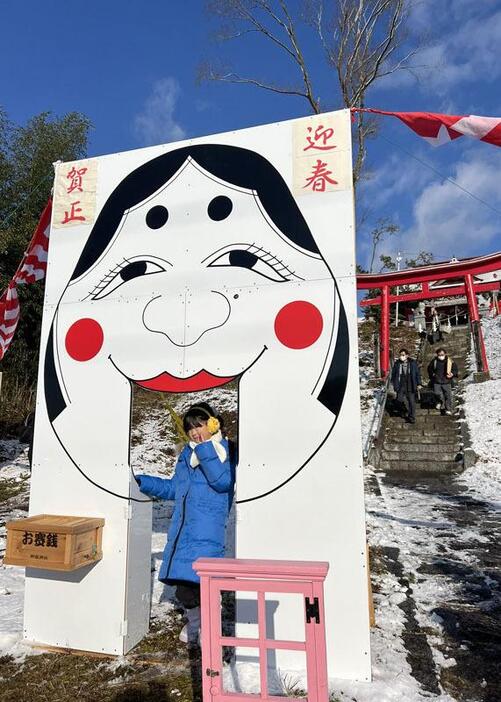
199	434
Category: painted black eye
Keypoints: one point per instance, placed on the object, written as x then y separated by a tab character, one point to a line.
219	208
264	264
157	217
130	271
133	270
243	259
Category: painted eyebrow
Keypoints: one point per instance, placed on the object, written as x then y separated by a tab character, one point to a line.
261	253
115	270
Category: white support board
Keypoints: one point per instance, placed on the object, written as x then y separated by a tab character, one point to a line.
179	268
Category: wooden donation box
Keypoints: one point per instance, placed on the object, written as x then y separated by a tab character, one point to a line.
54	542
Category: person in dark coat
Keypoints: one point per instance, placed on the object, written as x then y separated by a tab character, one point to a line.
406	381
442	370
202	490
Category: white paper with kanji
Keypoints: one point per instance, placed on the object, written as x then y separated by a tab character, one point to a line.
75	193
321	154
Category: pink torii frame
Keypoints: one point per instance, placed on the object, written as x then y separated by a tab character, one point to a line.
261	576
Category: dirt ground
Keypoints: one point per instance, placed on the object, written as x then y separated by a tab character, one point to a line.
159	668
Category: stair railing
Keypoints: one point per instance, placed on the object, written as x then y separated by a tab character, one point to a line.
377	417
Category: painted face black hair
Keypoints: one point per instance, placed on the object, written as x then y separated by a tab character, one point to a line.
239	167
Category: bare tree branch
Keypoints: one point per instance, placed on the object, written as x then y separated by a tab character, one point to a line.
362	41
234	78
273	20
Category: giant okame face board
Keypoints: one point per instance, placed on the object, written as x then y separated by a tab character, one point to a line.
184	267
202	267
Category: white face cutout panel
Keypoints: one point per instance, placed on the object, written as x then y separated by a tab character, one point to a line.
193	286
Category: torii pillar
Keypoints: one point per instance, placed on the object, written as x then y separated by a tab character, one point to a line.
475	322
384	335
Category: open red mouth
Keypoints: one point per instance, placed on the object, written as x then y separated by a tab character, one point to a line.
203	380
165	382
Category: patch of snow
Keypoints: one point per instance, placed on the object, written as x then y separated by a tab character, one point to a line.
14	468
491	328
412	521
483	414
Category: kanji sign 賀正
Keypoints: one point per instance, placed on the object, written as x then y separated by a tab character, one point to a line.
75	193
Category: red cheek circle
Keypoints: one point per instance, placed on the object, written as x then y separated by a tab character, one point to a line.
298	324
84	339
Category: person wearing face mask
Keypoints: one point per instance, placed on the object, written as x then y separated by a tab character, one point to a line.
406	381
442	370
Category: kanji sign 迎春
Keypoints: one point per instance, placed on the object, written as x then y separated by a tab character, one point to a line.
321	154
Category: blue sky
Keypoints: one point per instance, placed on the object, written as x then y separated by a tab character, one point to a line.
131	67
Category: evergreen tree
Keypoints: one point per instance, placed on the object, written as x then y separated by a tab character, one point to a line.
27	153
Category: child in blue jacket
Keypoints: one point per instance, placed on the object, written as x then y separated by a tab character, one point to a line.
202	490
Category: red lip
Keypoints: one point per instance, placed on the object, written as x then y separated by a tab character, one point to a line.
165	382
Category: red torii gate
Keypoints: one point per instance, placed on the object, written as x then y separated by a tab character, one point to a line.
465	269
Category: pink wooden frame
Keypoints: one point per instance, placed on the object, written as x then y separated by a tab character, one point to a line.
262	576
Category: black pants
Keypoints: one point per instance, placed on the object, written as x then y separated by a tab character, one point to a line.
407	400
188	594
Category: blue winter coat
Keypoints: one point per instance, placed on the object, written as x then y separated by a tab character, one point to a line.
202	497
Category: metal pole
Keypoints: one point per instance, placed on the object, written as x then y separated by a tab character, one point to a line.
399	258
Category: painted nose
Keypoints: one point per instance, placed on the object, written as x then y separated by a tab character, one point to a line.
184	318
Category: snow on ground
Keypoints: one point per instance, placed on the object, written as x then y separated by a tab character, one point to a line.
492	337
14	468
418	525
410	521
391	519
483	414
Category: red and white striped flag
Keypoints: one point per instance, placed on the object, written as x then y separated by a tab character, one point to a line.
32	268
440	129
9	317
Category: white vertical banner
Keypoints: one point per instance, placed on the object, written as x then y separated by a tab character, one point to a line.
219	259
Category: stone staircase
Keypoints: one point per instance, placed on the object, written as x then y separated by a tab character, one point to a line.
433	444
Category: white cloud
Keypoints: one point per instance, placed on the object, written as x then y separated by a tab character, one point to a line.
447	220
430	13
466	51
156	123
398	176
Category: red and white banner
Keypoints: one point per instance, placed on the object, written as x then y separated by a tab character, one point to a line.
440	129
9	317
34	264
32	268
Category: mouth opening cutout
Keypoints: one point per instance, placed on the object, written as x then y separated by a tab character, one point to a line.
158	405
